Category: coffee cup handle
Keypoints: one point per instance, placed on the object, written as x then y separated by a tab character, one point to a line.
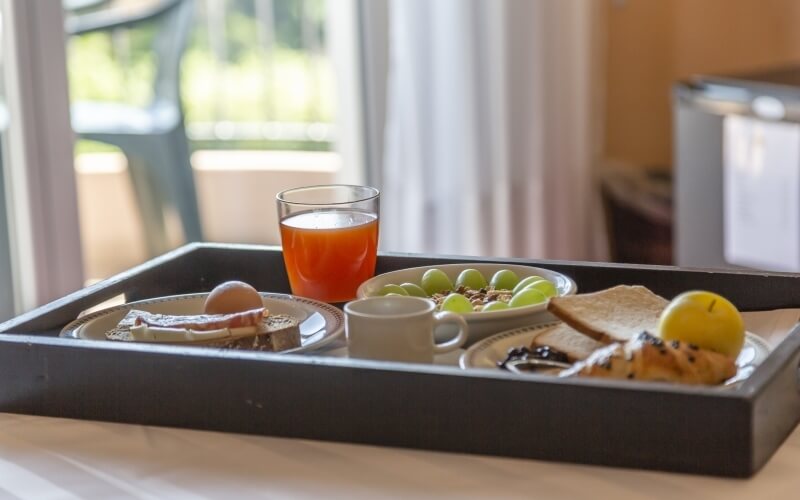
441	318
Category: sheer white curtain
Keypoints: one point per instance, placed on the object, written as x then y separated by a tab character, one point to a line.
491	128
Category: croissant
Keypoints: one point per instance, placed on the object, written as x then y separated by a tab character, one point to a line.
646	357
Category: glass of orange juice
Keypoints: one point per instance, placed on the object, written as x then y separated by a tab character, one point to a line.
329	236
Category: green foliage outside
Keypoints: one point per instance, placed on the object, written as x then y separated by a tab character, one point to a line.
251	84
244	92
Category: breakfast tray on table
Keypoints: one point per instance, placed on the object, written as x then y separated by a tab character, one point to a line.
730	431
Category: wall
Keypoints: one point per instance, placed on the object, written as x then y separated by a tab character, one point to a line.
653	43
236	189
112	234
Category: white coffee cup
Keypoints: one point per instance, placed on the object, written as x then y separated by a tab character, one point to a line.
397	328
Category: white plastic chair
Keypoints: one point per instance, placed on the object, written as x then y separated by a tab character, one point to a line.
153	138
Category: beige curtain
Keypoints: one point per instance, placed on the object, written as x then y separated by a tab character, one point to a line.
492	128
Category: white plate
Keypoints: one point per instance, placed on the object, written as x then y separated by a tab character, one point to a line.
481	324
488	352
320	323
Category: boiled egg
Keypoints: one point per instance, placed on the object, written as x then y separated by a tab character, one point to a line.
232	297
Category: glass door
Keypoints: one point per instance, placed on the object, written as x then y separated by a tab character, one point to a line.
258	91
6	280
40	257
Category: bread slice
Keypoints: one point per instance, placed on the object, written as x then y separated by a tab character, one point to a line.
566	339
277	332
612	315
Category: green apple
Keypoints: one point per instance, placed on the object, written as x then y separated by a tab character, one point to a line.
704	319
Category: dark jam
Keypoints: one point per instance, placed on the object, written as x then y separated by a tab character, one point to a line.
543	352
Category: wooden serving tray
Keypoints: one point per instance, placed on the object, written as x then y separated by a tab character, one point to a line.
726	432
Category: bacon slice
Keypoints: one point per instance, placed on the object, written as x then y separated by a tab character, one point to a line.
202	322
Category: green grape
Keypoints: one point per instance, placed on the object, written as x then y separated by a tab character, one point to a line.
392	294
471	278
495	305
546	287
527	297
392	288
504	279
525	282
435	281
457	303
414	290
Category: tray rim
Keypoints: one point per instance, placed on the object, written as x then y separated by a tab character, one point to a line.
312	359
91	295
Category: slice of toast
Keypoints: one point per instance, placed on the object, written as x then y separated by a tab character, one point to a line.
612	315
277	332
566	339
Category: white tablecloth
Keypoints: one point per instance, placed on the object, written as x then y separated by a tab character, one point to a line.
46	458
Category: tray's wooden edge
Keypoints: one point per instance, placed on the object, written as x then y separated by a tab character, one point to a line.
310	358
66	308
136	282
581	272
775	395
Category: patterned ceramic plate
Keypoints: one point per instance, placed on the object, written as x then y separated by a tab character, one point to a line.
320	323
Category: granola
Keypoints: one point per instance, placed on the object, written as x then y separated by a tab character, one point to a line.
478	298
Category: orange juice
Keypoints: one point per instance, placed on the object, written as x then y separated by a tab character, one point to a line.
328	254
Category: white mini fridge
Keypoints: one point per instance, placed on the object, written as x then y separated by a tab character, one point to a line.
737	171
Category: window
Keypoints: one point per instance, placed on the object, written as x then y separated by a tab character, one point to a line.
258	92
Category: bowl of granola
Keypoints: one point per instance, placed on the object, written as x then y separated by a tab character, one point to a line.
492	297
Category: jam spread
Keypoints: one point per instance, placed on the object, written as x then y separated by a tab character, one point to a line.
544	352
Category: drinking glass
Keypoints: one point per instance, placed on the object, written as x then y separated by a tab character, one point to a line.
329	236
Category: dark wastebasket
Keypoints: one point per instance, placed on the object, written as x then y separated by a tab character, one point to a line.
638	209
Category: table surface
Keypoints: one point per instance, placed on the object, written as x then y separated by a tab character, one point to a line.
43	457
59	458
